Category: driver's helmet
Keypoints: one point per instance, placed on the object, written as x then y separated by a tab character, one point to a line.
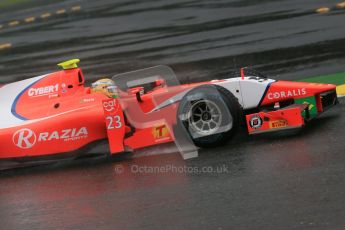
105	86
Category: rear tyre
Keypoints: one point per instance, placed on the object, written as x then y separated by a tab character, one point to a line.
209	114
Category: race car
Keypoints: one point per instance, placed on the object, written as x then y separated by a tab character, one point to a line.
55	115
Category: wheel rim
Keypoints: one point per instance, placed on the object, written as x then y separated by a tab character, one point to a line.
205	117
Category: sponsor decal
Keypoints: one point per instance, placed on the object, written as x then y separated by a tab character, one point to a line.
278	124
287	94
255	122
43	91
310	106
109	106
26	138
160	132
86	100
53	95
311	102
63	87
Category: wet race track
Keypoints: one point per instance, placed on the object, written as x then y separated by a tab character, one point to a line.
289	180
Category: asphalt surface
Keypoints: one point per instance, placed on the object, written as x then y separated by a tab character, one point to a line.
288	180
273	181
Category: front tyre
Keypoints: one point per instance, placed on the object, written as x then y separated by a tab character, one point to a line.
210	114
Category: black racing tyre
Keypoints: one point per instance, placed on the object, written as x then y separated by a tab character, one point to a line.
209	114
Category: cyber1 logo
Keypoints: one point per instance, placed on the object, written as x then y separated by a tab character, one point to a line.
43	91
255	122
24	138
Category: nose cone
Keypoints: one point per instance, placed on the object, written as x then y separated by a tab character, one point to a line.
318	87
283	90
312	88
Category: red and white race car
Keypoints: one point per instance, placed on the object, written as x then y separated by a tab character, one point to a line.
55	116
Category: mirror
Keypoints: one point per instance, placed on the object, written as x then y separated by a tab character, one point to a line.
159	82
138	91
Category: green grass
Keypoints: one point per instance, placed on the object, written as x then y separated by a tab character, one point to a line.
7	3
336	79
